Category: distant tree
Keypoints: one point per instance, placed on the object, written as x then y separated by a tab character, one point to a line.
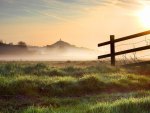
22	44
1	42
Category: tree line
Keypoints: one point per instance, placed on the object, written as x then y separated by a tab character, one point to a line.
20	44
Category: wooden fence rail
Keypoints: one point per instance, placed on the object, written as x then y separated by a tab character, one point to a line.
112	46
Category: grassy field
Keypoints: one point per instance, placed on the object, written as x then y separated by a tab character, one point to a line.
73	87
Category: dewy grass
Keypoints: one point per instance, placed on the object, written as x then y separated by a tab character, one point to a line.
72	86
43	88
40	69
131	105
108	103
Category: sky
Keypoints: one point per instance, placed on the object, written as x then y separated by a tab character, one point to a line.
84	23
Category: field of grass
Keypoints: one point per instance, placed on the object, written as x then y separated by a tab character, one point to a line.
73	87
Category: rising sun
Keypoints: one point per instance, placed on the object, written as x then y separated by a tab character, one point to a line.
144	16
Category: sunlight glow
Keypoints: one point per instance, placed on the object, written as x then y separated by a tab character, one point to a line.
144	16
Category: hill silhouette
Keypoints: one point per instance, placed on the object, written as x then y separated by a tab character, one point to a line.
62	45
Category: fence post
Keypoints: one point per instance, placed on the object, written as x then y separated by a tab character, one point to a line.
112	49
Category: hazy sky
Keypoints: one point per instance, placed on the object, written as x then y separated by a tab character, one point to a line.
80	22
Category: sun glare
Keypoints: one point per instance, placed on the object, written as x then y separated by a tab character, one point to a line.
144	16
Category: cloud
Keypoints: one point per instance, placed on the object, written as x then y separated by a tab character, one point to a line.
59	9
133	4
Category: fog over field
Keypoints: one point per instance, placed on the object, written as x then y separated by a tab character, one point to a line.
59	51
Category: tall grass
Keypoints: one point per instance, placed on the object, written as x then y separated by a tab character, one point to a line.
131	105
72	86
41	69
42	88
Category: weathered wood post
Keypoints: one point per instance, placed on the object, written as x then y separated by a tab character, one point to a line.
112	49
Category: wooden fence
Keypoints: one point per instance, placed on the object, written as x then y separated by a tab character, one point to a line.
112	46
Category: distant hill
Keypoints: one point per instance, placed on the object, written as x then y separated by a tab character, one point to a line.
60	50
62	45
